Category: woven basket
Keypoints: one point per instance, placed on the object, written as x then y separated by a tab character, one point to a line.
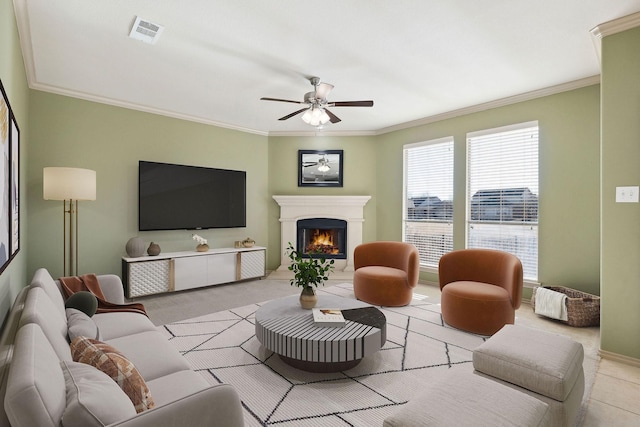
583	309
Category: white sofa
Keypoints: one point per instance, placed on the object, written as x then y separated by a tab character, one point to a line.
45	387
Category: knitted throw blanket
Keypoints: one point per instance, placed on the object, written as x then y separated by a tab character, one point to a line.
89	282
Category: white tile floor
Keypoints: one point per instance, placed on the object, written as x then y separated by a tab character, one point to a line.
614	396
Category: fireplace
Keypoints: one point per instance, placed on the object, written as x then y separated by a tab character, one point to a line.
322	237
347	208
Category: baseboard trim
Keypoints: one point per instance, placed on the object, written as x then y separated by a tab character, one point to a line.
619	358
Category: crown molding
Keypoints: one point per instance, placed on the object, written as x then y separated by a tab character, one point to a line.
617	25
552	90
322	132
139	107
613	27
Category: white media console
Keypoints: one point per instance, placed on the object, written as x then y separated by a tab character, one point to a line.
176	271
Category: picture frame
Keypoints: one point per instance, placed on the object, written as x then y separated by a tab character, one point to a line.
14	215
9	182
320	168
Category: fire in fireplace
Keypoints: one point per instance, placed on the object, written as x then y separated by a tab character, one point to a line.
322	237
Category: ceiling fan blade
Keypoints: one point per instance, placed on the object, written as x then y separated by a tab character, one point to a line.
288	116
322	90
352	104
332	117
281	100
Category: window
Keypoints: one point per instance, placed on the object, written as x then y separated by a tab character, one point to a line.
428	199
503	192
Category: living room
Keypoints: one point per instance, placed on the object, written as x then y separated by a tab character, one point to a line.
588	146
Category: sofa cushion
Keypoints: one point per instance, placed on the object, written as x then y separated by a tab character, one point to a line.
546	363
35	394
39	309
459	398
144	350
113	363
176	386
561	413
42	279
120	323
80	325
83	301
93	399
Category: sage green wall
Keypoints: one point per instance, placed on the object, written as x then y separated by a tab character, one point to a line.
111	140
569	240
620	325
359	178
13	76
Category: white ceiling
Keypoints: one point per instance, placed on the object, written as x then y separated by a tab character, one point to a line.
215	59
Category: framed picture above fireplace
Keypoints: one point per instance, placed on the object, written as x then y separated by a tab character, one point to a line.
320	168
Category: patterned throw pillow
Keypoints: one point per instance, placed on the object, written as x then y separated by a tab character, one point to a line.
114	364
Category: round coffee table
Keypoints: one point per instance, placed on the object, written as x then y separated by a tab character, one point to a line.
288	330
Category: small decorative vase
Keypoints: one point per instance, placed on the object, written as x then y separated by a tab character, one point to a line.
308	298
154	249
248	242
135	247
202	248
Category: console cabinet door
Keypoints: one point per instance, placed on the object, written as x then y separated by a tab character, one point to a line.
150	277
190	272
221	268
252	264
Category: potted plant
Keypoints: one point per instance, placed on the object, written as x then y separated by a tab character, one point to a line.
307	273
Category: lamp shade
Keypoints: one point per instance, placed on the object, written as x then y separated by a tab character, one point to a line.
69	184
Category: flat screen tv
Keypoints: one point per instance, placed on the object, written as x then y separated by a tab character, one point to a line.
178	197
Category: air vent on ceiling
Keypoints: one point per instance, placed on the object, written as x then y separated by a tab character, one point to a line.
145	31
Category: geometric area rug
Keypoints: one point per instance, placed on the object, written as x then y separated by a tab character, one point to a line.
223	348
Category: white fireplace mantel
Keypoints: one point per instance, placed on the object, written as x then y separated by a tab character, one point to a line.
347	208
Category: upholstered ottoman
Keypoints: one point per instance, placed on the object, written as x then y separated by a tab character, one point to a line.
544	365
460	398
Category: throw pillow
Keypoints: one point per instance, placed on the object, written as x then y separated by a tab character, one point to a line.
117	366
93	399
79	324
83	301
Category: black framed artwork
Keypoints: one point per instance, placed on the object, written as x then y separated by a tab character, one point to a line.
9	182
14	215
320	168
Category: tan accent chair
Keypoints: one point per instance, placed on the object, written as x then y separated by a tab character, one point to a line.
385	273
481	289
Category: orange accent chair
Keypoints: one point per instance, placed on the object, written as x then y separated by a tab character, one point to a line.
481	289
385	273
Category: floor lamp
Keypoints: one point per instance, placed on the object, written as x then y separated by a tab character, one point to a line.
69	185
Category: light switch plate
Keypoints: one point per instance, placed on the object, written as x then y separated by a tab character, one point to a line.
627	194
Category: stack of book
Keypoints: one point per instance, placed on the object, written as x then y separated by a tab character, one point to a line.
328	317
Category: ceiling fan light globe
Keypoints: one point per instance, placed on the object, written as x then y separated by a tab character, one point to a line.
324	117
306	117
312	116
322	90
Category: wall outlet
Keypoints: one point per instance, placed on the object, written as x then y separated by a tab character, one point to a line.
627	194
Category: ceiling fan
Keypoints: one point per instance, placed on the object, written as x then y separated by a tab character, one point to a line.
316	112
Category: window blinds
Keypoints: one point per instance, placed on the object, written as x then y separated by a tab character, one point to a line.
428	201
503	192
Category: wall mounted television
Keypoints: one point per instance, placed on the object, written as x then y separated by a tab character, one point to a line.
180	197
